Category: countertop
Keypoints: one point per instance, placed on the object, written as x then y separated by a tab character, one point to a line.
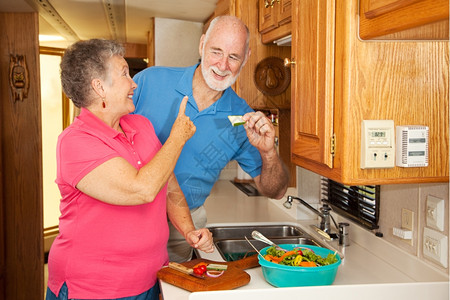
370	267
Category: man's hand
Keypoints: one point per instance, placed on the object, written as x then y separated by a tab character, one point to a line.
274	178
260	131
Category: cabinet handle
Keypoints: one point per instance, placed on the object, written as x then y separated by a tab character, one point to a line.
268	3
289	62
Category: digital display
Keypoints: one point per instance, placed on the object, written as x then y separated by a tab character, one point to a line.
378	133
416	153
417	140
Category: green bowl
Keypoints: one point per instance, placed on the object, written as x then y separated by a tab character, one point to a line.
290	276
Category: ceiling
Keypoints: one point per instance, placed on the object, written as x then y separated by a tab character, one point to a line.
127	21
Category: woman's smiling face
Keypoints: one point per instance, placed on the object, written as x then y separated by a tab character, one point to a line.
120	86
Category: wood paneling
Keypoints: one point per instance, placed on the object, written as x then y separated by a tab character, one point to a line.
22	255
135	50
2	200
151	44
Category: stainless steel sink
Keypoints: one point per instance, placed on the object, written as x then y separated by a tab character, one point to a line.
231	244
240	232
235	249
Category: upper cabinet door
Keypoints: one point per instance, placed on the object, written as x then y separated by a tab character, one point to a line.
313	39
267	15
404	19
284	11
274	19
312	81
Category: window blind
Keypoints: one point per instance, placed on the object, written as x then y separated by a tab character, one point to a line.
360	203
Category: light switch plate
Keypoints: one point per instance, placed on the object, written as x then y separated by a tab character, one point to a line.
408	223
435	211
407	219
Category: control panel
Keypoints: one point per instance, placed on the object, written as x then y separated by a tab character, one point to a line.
377	144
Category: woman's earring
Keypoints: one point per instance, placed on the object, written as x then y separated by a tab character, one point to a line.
103	103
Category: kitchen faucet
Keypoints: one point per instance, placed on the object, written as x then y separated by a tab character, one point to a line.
324	214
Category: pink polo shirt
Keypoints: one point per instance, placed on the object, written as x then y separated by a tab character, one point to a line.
103	250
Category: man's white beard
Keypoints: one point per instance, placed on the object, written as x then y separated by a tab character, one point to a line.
215	84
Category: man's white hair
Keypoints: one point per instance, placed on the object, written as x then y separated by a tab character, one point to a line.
219	19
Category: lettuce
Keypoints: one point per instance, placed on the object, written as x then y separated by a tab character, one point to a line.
308	255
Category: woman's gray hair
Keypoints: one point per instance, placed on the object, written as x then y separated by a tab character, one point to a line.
84	61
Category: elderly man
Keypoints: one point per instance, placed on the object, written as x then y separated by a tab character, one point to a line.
224	50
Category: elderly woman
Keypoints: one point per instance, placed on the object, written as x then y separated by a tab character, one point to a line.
117	185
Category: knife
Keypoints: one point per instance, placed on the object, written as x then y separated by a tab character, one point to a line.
183	269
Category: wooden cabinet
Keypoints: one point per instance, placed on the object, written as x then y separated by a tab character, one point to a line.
404	19
274	19
312	81
338	81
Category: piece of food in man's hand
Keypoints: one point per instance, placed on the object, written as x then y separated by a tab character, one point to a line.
236	120
216	267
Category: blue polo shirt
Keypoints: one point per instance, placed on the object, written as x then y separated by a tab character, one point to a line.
215	142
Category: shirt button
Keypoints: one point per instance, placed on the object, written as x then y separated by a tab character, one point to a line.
139	162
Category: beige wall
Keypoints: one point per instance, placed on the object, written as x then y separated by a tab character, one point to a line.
412	197
176	42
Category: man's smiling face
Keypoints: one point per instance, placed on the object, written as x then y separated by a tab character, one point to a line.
223	55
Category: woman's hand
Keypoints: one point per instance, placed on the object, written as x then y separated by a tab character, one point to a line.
201	239
183	128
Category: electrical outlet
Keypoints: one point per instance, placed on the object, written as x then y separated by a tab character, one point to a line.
435	246
407	223
435	212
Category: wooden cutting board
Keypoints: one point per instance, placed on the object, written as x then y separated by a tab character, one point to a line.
232	278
